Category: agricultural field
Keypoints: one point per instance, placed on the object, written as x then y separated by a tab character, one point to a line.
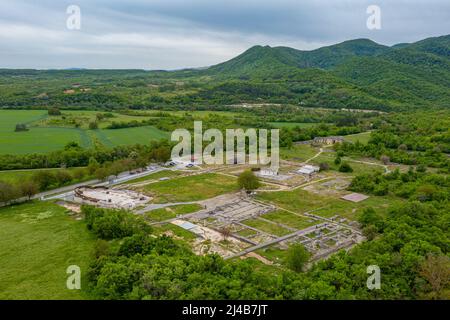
120	137
39	241
46	134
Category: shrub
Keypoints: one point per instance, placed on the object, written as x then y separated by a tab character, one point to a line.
345	167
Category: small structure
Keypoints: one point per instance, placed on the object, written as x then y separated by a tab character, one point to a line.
355	197
308	169
109	198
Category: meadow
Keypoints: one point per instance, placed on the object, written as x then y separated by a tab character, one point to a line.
38	242
191	188
301	201
48	134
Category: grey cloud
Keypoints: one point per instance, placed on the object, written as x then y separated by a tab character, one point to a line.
178	33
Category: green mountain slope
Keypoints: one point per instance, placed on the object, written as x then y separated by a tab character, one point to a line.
366	75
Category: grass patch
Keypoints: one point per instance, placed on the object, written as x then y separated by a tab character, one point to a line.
38	241
363	137
156	176
273	254
289	219
267	227
246	232
299	152
191	188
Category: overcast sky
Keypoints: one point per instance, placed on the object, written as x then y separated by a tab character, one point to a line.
173	34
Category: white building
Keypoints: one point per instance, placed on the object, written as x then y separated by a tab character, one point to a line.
308	169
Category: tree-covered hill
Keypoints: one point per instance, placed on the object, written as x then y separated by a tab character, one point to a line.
356	74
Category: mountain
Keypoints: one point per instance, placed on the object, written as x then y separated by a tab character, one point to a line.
324	58
351	72
355	74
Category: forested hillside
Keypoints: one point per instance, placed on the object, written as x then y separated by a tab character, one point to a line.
356	74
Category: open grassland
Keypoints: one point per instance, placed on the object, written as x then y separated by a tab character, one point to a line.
289	219
41	140
38	241
267	227
363	137
84	117
274	254
300	152
48	134
156	176
191	188
127	136
301	201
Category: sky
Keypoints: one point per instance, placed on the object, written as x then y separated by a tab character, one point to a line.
175	34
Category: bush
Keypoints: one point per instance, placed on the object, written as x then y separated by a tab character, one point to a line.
297	257
63	177
21	127
114	224
44	179
93	125
54	111
248	181
345	167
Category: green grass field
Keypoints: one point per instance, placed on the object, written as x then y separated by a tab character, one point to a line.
289	219
38	241
267	227
301	201
300	152
48	134
191	188
363	137
15	176
156	176
119	137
